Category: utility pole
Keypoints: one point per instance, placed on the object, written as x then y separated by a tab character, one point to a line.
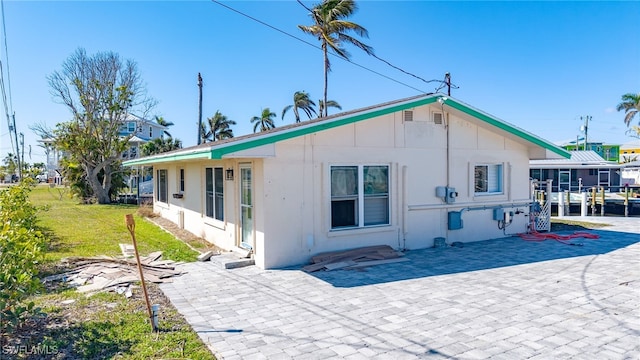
21	155
200	109
15	136
585	128
447	80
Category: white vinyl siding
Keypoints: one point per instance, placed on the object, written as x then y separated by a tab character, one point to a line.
359	196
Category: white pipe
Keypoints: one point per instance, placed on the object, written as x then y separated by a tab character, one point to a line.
155	308
405	208
448	151
583	204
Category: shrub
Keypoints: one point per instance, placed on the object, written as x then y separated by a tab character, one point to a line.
146	211
21	248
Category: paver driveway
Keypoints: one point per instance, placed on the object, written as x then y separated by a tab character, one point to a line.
499	299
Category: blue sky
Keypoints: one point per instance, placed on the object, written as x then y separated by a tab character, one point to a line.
538	65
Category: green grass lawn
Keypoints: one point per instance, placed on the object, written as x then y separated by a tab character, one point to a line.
105	325
78	229
108	326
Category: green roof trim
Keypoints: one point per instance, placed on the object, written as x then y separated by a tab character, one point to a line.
201	154
508	128
320	126
218	151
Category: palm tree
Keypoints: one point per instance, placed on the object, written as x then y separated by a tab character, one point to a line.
160	145
631	105
219	128
331	28
330	103
162	122
300	101
264	121
11	163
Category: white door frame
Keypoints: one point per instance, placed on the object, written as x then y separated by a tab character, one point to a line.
246	225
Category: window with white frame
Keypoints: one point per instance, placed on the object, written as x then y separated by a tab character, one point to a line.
214	193
181	181
131	126
162	186
150	131
359	196
488	179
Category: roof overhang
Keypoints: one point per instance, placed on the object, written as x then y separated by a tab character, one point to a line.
261	144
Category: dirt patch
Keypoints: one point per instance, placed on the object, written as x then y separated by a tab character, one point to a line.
65	331
196	242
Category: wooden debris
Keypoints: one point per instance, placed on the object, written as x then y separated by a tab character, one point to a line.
127	250
90	275
354	258
362	264
205	256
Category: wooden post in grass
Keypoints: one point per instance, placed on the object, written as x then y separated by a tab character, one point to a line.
593	201
131	225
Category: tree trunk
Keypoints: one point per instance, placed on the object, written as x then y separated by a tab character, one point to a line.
99	191
326	77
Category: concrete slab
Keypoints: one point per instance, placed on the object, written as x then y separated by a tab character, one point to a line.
502	299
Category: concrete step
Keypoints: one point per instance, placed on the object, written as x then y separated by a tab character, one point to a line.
232	260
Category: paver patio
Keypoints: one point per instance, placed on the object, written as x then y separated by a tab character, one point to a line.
499	299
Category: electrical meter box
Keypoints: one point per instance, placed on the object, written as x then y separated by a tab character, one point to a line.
447	194
455	220
451	195
498	214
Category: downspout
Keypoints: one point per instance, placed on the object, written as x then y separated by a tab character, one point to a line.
442	101
405	207
446	126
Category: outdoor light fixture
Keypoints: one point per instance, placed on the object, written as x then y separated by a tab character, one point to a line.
229	174
442	99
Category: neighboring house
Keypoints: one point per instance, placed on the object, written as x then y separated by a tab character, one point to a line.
142	130
53	160
584	169
400	174
609	152
630	151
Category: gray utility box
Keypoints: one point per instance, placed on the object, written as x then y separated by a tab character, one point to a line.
455	220
498	214
447	194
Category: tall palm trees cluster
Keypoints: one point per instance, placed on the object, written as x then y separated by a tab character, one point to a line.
330	26
219	128
332	29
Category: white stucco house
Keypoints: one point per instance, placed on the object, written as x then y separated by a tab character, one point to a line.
400	173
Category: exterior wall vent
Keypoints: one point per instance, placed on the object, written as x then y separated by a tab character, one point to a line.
437	118
407	115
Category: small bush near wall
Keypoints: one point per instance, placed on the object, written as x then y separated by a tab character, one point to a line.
22	247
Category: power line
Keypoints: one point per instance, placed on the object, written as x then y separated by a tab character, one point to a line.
6	53
319	48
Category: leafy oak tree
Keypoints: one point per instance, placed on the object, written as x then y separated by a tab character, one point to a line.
99	90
